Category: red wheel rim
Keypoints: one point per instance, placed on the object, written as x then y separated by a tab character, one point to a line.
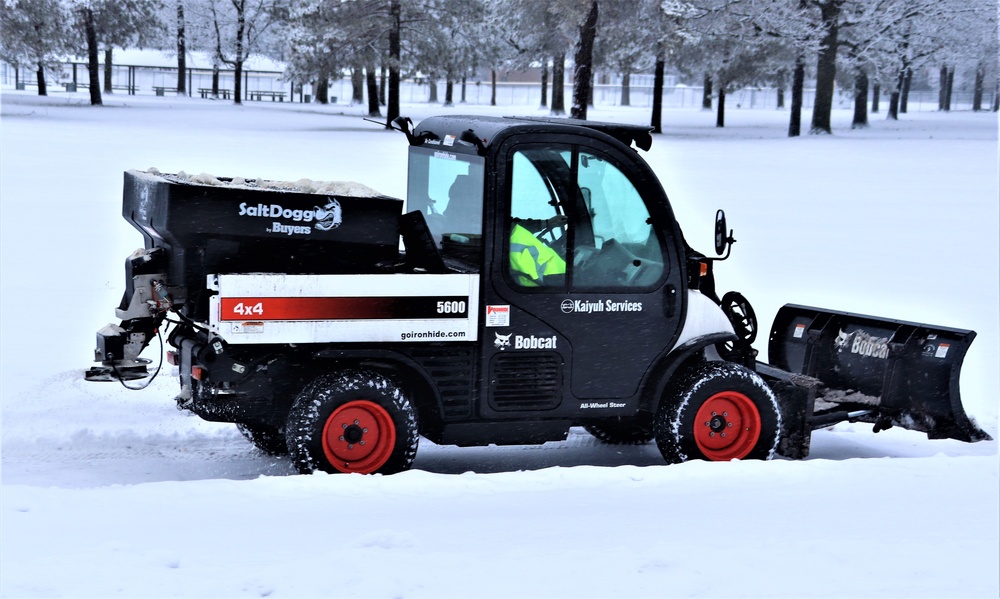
359	437
727	426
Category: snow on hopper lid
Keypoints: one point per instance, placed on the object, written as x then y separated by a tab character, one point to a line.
336	188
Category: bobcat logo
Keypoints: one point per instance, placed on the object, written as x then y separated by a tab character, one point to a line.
329	217
502	342
842	340
862	343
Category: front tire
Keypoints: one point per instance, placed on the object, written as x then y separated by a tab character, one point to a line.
353	421
718	411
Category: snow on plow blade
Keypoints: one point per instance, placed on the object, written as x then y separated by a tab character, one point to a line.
887	372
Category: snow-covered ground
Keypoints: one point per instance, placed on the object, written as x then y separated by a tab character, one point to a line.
111	493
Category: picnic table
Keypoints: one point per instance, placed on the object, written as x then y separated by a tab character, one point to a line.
207	91
260	95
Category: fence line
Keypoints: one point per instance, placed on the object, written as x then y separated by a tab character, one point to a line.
145	80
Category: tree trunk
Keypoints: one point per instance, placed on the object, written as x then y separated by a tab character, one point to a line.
392	108
449	92
323	88
493	87
798	82
433	95
951	85
944	87
860	120
238	67
720	113
238	82
706	92
559	84
626	89
463	89
657	116
826	68
904	93
545	85
977	89
996	98
893	113
215	80
382	74
357	86
181	50
584	60
782	81
40	80
372	83
92	63
108	83
876	94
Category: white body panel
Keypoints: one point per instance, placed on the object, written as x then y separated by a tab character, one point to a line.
279	308
704	317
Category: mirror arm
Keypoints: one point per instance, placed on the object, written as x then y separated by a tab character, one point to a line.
730	240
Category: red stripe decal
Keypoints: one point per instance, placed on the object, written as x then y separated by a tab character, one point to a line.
342	308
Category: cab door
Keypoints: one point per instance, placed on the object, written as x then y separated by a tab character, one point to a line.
587	263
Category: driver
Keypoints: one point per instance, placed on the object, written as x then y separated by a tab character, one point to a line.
531	261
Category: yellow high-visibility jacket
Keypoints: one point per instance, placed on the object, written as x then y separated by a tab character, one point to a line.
531	260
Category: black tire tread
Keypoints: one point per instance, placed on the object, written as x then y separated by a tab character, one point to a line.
691	388
318	400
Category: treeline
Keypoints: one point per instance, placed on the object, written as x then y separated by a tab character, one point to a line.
872	47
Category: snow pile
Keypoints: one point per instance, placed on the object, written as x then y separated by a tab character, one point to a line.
334	188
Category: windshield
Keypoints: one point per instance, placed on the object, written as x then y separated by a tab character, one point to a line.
447	188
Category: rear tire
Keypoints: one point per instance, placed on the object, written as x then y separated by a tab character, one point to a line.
269	439
622	431
353	421
718	411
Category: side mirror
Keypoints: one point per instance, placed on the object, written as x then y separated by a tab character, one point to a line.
721	239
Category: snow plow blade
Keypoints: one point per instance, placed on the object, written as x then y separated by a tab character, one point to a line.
863	368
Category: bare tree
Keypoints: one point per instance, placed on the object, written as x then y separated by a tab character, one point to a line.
584	62
33	35
237	26
181	50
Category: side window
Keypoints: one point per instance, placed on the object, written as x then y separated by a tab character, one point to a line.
537	227
625	251
573	212
448	189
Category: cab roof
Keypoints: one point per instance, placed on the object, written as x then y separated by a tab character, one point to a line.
453	130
